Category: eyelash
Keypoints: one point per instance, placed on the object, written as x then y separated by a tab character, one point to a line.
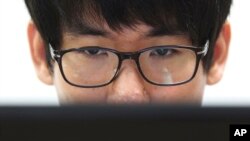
169	52
99	52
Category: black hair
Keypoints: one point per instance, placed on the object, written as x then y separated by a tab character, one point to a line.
201	20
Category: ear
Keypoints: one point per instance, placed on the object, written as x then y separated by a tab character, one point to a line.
216	70
37	50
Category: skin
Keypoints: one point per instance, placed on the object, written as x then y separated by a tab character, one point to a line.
129	86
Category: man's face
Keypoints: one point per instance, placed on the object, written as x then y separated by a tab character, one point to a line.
129	86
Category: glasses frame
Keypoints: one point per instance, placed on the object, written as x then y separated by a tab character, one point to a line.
200	52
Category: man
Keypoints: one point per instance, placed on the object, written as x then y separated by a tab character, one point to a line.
129	51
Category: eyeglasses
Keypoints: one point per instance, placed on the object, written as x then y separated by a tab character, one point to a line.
94	66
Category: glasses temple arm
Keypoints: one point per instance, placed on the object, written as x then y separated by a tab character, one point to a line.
205	49
52	52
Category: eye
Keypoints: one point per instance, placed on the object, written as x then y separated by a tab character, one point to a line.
94	51
162	52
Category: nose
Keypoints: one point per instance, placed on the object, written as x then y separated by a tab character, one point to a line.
128	87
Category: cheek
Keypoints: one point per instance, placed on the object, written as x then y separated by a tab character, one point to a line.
69	94
190	92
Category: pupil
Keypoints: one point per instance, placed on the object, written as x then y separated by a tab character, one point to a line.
93	51
162	51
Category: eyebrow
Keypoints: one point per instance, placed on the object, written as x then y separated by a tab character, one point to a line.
98	31
87	30
163	31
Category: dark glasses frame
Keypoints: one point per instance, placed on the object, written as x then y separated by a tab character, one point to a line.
200	52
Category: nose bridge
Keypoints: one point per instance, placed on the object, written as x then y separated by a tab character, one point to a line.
129	55
128	87
133	56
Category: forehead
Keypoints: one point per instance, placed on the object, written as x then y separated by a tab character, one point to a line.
126	39
138	34
140	30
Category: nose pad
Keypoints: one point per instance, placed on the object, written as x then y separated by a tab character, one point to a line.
128	87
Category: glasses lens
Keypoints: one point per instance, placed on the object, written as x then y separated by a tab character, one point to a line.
90	66
167	65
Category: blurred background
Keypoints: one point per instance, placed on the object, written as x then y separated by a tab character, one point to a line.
19	84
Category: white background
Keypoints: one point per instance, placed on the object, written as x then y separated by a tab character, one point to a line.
20	86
